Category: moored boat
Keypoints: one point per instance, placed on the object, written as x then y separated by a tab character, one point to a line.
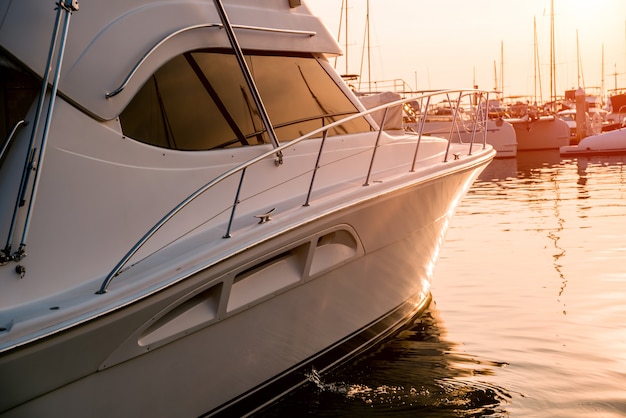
500	134
442	120
611	142
540	132
216	212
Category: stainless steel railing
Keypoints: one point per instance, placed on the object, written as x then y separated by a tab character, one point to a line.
34	157
10	137
480	122
143	59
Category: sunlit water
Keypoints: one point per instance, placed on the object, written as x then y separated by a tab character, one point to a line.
529	307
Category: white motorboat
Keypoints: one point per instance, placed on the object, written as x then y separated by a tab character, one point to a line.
569	117
198	210
443	121
611	142
540	133
500	134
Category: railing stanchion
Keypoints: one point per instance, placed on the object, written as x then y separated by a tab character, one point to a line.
424	112
454	116
380	131
477	119
317	165
235	203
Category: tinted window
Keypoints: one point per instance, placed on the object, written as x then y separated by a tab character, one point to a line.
200	101
18	90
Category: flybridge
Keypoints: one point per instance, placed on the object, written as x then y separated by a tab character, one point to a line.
131	39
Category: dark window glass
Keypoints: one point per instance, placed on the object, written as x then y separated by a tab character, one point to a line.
200	101
18	90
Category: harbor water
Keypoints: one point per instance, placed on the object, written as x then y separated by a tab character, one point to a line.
528	317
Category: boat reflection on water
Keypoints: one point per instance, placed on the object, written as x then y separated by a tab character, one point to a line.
419	371
527	164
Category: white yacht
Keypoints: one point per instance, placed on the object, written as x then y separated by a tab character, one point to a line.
196	210
540	132
500	134
443	120
604	143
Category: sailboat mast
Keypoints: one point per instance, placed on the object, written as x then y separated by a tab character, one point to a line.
369	64
581	74
343	15
502	67
537	66
495	77
577	59
602	85
346	32
552	56
366	50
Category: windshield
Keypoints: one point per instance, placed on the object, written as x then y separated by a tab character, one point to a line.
200	101
18	90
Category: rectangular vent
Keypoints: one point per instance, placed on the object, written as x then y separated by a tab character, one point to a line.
268	277
185	317
333	249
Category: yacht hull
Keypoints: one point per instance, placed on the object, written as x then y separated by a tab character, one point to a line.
500	135
183	351
612	142
547	132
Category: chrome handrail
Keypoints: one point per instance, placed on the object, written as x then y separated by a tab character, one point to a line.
242	169
11	136
190	28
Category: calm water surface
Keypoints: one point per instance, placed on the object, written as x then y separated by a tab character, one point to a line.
529	307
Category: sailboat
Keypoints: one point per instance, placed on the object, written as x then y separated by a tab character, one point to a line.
533	130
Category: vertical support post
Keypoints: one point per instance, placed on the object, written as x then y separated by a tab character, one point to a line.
485	119
380	131
27	162
478	119
67	6
424	113
454	116
317	165
248	77
235	203
581	111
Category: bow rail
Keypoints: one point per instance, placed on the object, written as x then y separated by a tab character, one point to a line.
480	98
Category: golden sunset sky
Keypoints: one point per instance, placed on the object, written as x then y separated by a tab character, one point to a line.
454	43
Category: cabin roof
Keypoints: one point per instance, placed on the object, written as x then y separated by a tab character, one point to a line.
107	39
